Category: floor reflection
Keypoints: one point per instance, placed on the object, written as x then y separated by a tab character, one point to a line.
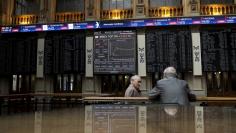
122	119
111	119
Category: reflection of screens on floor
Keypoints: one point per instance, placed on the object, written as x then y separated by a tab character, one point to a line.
111	119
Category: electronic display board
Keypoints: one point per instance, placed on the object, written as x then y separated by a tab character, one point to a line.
24	55
114	52
218	50
195	20
168	48
5	58
64	53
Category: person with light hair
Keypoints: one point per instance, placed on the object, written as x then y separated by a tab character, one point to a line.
169	72
134	88
172	90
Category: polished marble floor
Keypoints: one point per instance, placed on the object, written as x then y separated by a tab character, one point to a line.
120	118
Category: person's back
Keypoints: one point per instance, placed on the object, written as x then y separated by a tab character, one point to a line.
173	90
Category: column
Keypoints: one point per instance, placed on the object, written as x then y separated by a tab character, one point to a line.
7	18
97	9
43	10
196	49
186	4
40	58
88	82
141	54
43	83
4	86
89	57
146	85
91	85
191	7
142	119
139	7
51	11
199	119
88	121
196	80
2	13
92	9
39	81
146	2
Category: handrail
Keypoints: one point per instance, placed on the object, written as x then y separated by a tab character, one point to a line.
198	98
56	95
106	97
201	98
116	99
71	94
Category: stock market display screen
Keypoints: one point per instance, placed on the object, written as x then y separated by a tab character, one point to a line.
114	52
168	48
218	50
19	54
64	53
5	57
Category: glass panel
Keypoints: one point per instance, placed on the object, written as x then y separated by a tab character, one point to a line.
140	1
26	7
127	4
21	84
112	4
68	83
105	4
122	118
115	84
1	6
221	83
120	4
70	6
65	82
216	2
14	82
162	3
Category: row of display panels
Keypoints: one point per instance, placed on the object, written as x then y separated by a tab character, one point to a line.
115	52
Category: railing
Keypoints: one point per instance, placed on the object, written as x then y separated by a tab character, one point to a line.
217	9
100	97
145	99
69	17
25	19
166	12
31	102
117	14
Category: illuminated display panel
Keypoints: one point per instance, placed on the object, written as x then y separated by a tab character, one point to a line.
114	52
122	23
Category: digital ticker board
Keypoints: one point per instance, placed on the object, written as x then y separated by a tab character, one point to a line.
197	20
